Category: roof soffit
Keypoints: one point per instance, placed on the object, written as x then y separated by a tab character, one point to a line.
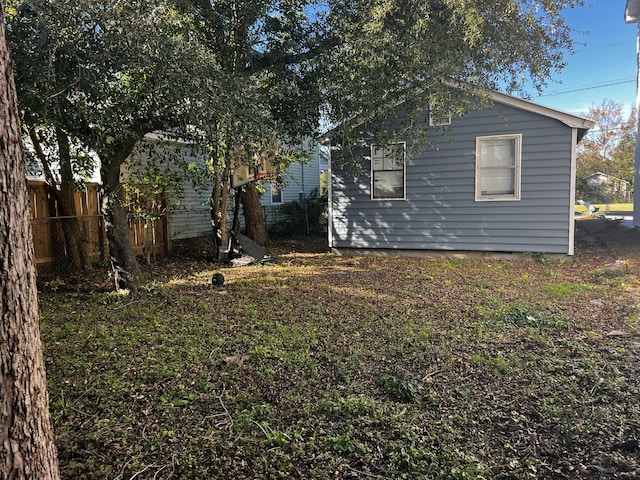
632	11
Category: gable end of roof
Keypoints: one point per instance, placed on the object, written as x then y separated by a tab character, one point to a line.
580	123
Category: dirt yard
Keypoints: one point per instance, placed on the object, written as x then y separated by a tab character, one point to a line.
623	242
319	366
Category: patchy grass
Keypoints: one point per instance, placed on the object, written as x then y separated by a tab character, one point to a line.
324	367
610	209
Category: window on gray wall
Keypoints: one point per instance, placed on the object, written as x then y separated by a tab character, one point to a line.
437	119
276	194
498	160
388	171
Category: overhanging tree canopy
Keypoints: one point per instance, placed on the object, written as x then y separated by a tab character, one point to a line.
237	72
107	74
411	51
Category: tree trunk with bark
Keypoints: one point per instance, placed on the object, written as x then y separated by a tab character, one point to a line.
73	237
65	197
124	264
218	205
252	211
27	448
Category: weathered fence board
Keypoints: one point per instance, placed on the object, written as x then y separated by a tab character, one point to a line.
149	235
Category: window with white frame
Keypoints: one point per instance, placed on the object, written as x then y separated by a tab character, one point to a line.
276	194
498	160
388	171
437	119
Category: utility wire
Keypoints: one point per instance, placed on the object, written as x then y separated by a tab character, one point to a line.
587	46
562	92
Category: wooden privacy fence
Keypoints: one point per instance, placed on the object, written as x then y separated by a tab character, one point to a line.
149	233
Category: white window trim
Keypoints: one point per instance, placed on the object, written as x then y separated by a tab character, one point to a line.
518	167
404	174
271	187
434	123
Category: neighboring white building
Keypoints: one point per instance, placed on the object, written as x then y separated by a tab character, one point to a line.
609	185
190	214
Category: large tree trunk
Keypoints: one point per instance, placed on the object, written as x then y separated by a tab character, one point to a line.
253	219
27	448
65	197
126	270
74	239
218	206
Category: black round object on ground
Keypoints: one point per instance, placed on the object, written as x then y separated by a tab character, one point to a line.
217	279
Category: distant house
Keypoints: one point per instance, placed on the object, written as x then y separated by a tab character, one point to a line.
299	181
173	216
500	179
190	213
632	15
608	186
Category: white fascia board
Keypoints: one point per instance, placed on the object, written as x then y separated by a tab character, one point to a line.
632	11
166	137
572	121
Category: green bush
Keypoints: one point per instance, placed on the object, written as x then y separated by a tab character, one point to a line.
304	217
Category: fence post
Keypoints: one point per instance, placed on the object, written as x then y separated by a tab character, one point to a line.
166	224
104	247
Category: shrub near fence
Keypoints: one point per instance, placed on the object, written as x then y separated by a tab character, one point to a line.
300	217
149	236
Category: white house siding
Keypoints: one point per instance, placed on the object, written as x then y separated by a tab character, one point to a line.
440	211
189	215
299	181
192	217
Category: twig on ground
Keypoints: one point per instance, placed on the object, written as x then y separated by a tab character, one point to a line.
432	374
226	414
148	467
372	475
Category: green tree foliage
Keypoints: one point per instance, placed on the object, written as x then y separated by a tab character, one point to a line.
268	59
234	74
413	51
608	148
623	158
107	74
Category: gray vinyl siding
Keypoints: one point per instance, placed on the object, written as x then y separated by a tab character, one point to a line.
191	217
190	214
440	211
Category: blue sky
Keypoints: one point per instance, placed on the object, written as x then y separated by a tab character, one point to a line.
604	65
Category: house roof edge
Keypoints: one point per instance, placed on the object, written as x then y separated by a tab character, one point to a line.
632	11
568	119
582	124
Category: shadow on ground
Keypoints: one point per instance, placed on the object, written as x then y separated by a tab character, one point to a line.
620	241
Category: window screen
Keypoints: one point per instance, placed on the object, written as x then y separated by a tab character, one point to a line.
276	194
498	167
387	171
